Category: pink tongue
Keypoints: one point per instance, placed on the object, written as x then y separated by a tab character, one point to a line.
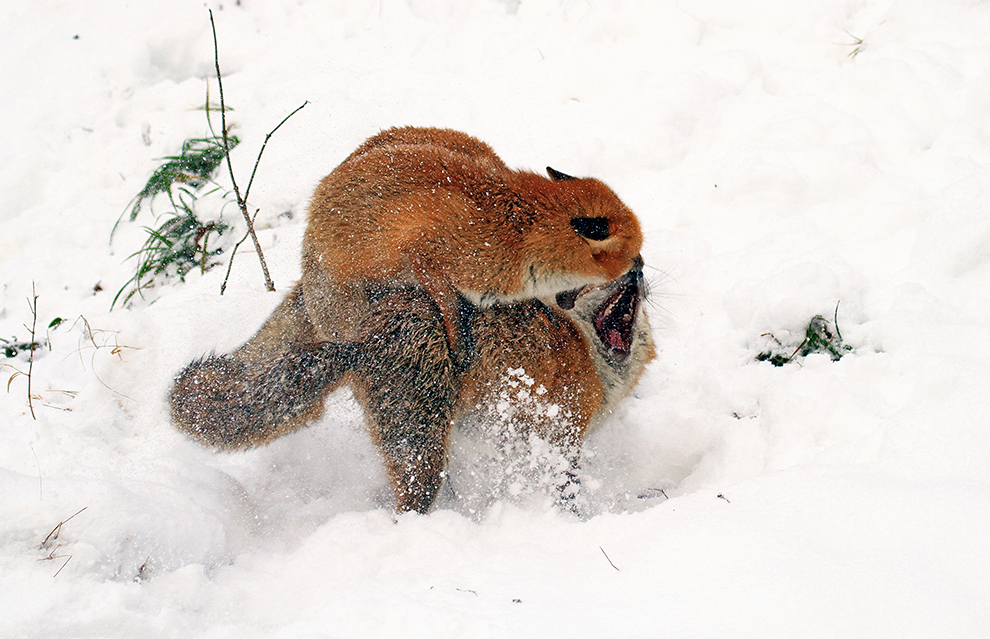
615	339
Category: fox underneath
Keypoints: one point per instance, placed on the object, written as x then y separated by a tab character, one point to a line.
587	347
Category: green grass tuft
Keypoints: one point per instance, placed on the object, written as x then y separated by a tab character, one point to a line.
13	347
194	166
181	242
819	337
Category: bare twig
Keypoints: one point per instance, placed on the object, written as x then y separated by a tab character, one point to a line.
64	409
607	559
51	556
233	252
650	493
53	535
250	233
265	143
241	202
33	304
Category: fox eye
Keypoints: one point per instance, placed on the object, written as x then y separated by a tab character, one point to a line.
592	228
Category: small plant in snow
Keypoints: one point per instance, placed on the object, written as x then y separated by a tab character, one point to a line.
193	167
50	543
857	45
13	347
181	242
819	337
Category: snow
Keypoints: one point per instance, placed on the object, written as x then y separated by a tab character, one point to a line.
786	159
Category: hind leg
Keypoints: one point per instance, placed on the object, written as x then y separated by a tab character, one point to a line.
405	380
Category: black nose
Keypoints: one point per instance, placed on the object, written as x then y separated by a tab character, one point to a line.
637	264
567	299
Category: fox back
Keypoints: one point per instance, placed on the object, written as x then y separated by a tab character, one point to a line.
439	208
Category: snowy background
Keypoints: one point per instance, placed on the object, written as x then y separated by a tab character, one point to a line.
785	158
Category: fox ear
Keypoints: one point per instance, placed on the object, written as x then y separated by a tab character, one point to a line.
557	176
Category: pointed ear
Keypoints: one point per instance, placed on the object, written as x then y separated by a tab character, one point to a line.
556	175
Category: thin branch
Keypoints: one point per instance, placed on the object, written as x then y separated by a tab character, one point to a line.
230	263
607	559
31	346
241	202
63	565
53	535
265	143
250	232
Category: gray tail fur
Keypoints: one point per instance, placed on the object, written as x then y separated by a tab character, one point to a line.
225	402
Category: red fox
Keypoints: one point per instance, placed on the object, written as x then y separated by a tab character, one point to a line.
438	208
586	347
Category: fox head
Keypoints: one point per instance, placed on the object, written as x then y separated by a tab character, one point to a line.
614	321
581	233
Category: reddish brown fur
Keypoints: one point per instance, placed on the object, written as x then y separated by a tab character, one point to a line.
404	379
438	208
390	246
551	349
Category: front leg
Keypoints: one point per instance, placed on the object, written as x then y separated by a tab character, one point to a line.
405	380
455	311
569	489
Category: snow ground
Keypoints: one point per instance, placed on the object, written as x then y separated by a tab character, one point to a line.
784	158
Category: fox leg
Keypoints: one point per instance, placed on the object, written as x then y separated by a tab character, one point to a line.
269	387
333	312
453	309
406	382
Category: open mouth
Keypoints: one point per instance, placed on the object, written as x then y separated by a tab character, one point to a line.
615	318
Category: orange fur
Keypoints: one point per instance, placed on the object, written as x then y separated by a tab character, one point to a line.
438	208
411	224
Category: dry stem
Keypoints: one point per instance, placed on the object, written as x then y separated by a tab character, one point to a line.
241	202
33	304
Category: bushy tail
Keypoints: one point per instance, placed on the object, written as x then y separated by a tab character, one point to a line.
269	387
222	401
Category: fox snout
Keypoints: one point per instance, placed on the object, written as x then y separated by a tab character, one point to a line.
634	276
